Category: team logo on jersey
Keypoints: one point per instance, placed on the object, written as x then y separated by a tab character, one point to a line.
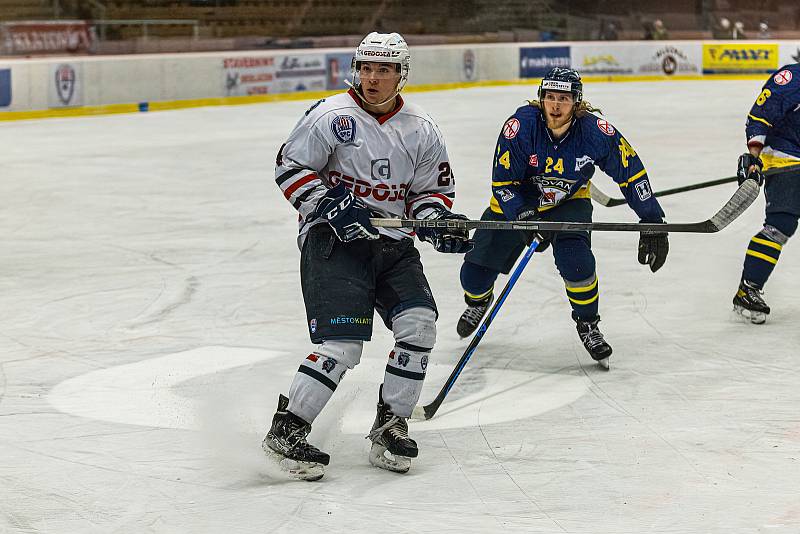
505	194
533	161
582	162
424	362
510	128
312	325
783	77
643	190
381	169
344	128
605	127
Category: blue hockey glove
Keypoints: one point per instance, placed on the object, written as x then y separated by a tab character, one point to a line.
532	214
347	215
743	171
448	240
653	249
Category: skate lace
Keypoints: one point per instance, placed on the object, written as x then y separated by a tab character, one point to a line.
592	338
394	425
297	437
473	314
754	295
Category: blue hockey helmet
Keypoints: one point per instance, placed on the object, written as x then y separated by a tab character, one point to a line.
562	79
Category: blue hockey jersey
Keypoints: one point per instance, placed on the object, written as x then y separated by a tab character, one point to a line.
531	169
774	119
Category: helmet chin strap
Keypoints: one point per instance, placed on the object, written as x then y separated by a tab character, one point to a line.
358	92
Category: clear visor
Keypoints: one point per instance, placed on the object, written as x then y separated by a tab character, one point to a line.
377	71
559	97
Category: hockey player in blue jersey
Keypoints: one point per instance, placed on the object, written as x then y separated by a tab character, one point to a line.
773	142
545	156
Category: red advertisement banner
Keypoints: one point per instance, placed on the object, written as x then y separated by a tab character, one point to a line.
41	37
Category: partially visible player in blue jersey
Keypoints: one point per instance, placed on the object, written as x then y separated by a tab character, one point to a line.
773	142
546	154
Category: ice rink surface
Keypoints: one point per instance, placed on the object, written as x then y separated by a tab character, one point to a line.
151	313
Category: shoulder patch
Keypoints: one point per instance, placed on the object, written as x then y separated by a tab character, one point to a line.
783	77
511	128
605	127
344	128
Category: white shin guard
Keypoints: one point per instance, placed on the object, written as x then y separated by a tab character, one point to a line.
319	375
415	334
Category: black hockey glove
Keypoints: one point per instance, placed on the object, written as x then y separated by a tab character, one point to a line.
347	215
448	240
532	214
743	171
653	249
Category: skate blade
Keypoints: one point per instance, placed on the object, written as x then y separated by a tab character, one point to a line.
295	469
604	363
750	315
378	457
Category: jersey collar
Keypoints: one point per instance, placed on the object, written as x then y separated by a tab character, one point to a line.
380	118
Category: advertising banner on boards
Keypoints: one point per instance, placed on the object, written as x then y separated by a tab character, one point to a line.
306	72
667	59
602	59
5	88
338	69
244	76
535	62
739	58
65	87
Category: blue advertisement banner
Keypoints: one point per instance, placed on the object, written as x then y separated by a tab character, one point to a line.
338	69
5	88
536	62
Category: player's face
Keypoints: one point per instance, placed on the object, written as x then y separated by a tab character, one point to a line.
558	108
378	81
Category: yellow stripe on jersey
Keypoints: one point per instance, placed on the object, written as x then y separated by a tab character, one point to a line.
501	184
634	178
772	244
774	162
759	119
494	205
761	256
583	192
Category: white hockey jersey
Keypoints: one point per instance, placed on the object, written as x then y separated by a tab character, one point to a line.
397	164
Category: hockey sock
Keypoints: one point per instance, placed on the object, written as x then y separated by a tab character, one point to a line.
477	281
765	248
576	264
415	333
319	375
583	297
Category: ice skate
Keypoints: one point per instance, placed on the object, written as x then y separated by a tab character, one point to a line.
593	341
472	316
392	449
749	303
286	445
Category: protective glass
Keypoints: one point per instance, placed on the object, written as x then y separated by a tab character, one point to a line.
377	71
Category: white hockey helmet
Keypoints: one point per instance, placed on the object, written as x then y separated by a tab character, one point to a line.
383	48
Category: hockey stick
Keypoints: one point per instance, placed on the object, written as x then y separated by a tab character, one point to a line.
608	201
427	411
740	201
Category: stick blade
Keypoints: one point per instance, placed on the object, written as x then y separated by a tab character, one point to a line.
419	413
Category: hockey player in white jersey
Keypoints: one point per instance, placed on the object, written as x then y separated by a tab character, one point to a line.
358	154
